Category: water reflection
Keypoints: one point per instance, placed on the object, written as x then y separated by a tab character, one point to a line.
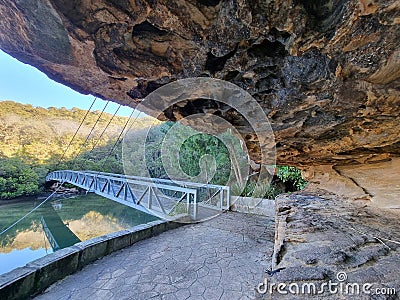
59	224
57	233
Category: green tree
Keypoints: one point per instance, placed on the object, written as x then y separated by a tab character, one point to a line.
17	179
195	147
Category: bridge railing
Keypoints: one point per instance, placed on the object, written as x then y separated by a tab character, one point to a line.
53	243
161	197
216	196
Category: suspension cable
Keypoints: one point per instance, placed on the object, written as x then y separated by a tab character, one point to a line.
122	131
90	133
70	143
119	137
76	132
58	163
105	128
94	125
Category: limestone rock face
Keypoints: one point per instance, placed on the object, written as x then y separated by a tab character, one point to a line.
319	237
326	72
377	182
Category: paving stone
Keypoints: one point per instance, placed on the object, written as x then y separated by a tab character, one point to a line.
169	297
132	280
164	289
182	294
231	295
61	294
183	284
209	281
202	272
113	283
197	288
213	293
99	294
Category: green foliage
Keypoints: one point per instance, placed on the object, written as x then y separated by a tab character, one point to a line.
291	175
202	144
18	178
267	190
173	150
287	179
40	135
33	140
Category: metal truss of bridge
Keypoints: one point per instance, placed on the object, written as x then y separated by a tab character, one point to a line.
163	198
58	234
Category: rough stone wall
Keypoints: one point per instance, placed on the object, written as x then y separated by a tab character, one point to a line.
317	237
374	180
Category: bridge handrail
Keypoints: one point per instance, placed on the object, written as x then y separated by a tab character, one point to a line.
103	183
161	186
174	183
184	183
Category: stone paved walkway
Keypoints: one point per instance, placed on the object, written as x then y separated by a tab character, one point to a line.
224	258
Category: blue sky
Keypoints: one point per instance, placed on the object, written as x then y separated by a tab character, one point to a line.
23	83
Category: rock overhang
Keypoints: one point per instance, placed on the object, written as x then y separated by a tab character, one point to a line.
326	73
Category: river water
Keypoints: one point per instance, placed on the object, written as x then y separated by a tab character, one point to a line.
58	224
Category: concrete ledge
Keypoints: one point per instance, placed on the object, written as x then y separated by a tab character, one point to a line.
52	268
14	284
258	206
36	276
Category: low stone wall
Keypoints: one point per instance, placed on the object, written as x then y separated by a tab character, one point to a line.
33	278
257	206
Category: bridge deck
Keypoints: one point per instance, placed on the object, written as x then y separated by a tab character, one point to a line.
164	198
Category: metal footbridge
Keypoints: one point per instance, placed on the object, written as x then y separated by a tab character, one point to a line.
163	198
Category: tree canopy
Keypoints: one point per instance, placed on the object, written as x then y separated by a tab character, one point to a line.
33	140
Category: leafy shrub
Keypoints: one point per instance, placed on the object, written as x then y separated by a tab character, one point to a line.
268	190
17	179
291	175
